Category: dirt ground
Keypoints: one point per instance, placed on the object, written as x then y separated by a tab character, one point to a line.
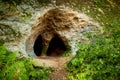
58	63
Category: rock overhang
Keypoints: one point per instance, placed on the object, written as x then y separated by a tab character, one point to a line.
68	25
64	23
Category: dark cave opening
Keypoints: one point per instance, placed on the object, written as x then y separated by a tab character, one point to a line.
38	46
56	47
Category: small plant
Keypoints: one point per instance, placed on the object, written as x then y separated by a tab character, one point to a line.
96	61
12	68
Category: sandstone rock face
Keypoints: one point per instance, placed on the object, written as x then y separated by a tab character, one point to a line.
49	31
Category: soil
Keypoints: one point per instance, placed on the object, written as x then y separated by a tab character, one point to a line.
58	63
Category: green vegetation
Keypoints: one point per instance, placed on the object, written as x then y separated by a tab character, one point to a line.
99	59
13	68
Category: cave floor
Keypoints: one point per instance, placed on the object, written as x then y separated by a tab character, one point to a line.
57	63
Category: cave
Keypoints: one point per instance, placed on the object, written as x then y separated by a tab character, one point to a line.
57	30
38	46
56	47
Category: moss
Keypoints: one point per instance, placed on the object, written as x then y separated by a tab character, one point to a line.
8	33
8	30
2	42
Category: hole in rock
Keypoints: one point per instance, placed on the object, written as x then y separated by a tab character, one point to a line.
38	46
56	47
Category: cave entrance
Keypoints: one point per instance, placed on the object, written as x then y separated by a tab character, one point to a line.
56	47
38	46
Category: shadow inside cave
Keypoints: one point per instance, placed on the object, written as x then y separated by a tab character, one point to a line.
38	46
56	47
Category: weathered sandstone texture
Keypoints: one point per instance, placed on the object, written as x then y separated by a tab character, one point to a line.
59	27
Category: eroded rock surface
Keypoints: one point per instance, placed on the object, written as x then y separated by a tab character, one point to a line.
63	23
